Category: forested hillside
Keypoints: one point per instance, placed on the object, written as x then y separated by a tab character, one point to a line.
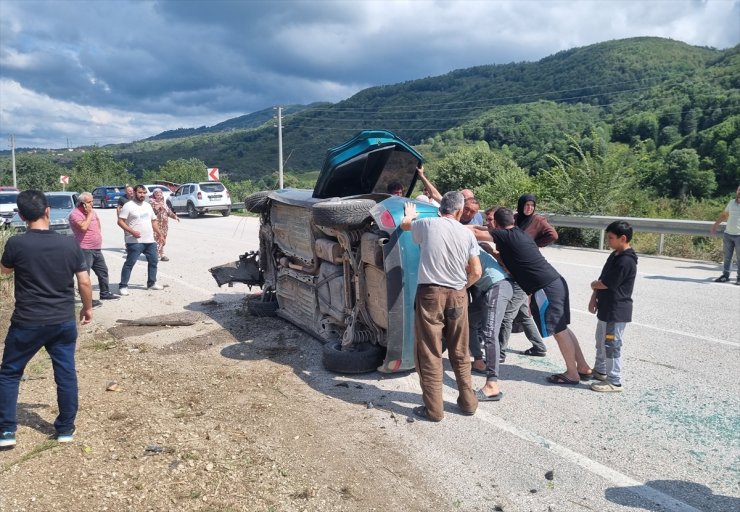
670	111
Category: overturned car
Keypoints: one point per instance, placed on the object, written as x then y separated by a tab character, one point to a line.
333	260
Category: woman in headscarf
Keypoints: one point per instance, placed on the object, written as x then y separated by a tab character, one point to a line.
163	213
534	225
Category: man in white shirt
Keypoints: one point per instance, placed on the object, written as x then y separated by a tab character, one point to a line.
730	238
138	221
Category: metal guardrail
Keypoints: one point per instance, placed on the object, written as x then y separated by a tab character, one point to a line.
237	206
662	226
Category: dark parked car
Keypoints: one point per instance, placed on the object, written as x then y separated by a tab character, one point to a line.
333	260
107	196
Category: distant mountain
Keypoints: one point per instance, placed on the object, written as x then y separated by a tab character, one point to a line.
664	93
248	121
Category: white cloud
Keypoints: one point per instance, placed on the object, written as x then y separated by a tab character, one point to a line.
125	70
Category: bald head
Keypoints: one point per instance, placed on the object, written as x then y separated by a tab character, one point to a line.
467	193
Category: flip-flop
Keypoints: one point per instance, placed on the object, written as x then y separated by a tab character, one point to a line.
482	397
559	378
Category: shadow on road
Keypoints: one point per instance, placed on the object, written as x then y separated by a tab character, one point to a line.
697	495
28	417
706	280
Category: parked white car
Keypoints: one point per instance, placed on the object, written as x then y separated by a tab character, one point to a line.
8	206
166	192
197	199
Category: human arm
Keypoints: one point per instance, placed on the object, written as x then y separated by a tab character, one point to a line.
433	192
125	227
5	270
155	227
83	223
409	214
480	233
85	288
722	217
474	271
546	234
593	303
598	285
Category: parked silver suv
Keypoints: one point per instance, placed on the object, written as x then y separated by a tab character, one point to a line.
196	199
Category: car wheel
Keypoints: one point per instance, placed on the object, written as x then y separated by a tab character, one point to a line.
342	213
360	358
226	212
192	212
257	202
258	307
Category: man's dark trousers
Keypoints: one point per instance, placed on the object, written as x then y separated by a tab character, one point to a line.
96	263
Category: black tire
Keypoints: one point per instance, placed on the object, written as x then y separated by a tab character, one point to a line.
257	202
342	213
226	212
192	212
261	308
360	358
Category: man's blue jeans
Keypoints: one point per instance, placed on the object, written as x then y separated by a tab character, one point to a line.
133	252
21	344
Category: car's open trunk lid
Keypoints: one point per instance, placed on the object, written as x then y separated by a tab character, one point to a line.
366	164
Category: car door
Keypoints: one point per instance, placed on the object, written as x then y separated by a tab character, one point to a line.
178	198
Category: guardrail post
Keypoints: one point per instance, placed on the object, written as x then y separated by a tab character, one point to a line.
661	243
601	240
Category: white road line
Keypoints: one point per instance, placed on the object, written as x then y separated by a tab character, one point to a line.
672	331
613	476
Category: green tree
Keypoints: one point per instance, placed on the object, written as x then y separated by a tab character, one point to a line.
471	167
183	171
587	183
683	176
34	171
98	167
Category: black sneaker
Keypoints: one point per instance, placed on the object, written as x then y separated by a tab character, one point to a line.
96	303
723	278
109	296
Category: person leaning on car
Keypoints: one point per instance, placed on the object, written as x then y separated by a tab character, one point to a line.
448	264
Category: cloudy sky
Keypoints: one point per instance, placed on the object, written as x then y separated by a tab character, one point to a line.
109	71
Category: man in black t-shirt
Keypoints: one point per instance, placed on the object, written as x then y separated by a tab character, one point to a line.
44	264
124	199
550	300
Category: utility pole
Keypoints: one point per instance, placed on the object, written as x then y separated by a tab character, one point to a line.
12	158
280	146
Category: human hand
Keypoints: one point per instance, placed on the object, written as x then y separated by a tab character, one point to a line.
136	234
594	285
592	305
86	316
420	169
409	210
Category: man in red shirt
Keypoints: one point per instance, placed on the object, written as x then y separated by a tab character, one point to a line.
85	225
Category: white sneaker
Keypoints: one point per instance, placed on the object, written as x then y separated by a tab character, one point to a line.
156	286
123	291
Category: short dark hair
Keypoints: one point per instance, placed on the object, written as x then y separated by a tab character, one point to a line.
492	209
31	205
393	186
140	187
620	228
503	217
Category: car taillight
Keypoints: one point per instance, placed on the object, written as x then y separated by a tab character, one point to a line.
386	220
200	196
227	193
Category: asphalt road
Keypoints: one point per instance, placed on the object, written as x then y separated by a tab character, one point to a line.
670	442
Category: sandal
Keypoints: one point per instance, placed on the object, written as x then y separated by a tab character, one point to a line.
560	378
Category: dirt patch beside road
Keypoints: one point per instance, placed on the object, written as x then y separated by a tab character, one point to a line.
218	417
